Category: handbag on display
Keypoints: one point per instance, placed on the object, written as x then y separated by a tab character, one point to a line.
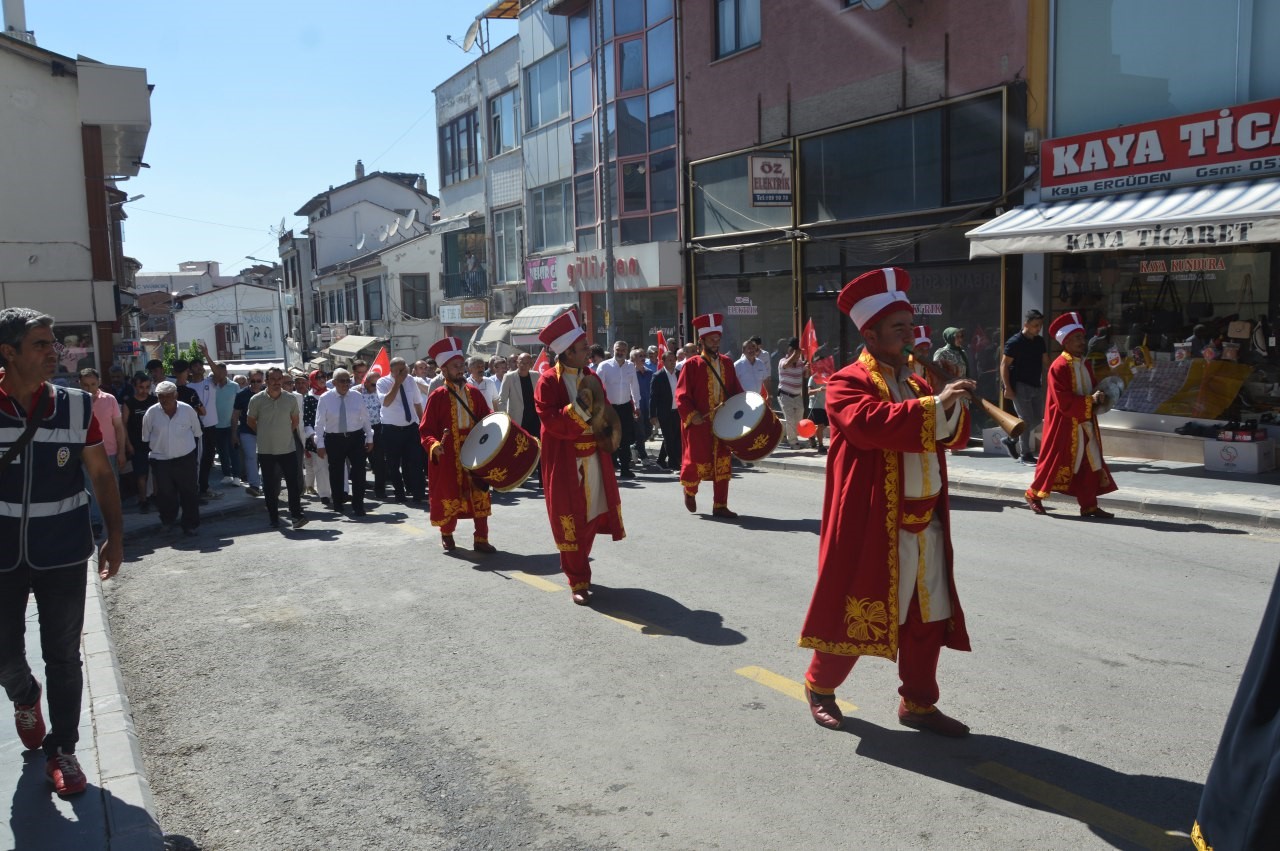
1199	304
1167	319
1132	310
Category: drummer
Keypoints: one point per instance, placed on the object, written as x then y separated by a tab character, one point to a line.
578	480
705	383
921	346
452	411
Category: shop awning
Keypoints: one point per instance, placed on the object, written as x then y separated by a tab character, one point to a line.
528	323
351	345
1201	217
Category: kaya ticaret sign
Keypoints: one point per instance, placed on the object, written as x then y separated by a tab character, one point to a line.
1221	144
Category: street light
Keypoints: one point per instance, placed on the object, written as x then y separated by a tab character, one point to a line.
284	345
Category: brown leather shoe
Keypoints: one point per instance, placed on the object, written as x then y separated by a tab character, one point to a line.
1096	513
446	541
691	503
824	710
933	722
724	512
582	597
484	547
1034	503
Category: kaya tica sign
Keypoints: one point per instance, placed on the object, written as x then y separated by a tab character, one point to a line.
1221	144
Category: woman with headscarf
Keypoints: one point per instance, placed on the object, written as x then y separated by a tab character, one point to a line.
952	356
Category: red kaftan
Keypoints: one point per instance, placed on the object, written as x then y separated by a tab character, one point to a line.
1068	463
452	491
703	456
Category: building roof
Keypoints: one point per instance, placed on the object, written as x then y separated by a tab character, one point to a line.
402	177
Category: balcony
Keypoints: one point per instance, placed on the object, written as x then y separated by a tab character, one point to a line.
465	284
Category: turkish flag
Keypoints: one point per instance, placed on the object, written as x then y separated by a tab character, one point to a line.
382	363
543	363
808	341
662	346
823	369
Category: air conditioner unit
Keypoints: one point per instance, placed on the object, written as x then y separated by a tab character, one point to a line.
504	302
361	328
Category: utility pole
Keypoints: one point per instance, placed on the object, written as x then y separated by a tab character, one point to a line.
606	189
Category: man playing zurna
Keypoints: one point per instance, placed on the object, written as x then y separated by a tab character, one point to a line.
705	383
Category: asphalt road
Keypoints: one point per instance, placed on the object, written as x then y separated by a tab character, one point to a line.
350	686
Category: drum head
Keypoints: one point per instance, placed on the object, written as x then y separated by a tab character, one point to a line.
485	441
739	416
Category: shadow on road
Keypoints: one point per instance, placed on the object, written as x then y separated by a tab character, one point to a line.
138	546
1125	810
640	605
538	564
769	524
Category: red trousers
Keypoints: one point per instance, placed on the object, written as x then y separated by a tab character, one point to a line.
577	564
482	528
705	457
919	645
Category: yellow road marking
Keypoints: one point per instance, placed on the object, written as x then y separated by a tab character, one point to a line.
536	581
410	529
642	627
1081	809
790	688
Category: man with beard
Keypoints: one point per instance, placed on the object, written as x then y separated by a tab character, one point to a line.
705	383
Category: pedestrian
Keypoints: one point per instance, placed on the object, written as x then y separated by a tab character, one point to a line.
420	371
224	401
106	413
644	378
50	443
117	385
952	357
401	415
515	398
791	376
171	429
202	384
242	381
618	375
705	383
597	357
1022	369
1240	804
155	369
885	575
663	412
373	407
273	416
243	436
344	437
752	370
315	470
453	410
477	379
182	380
136	449
1071	459
921	351
497	369
818	412
579	485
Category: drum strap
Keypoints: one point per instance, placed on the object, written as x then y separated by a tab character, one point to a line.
713	371
462	402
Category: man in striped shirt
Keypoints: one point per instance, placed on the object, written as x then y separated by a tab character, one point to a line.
791	376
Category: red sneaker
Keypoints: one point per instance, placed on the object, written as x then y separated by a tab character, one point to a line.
30	723
63	771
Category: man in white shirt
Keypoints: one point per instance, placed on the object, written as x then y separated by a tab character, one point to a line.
344	436
486	385
752	369
401	414
623	389
422	375
172	431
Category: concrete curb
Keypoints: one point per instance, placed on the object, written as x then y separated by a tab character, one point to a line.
1126	499
130	808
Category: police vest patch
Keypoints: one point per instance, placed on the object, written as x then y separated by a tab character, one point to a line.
64	455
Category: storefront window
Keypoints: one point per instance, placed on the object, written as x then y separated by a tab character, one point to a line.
722	199
753	289
74	347
638	315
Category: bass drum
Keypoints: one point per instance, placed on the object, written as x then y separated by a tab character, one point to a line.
747	426
500	452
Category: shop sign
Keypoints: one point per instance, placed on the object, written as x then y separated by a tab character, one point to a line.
259	328
770	180
463	313
928	309
475	309
1158	236
583	270
1220	144
128	348
540	275
742	306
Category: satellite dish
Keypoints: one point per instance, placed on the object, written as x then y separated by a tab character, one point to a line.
395	228
281	226
473	32
875	5
382	234
360	243
410	219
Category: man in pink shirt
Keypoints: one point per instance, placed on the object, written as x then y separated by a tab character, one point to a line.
106	412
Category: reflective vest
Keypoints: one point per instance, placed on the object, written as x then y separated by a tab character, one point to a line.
44	508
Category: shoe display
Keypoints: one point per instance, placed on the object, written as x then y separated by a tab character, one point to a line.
30	722
63	771
825	711
933	722
1034	503
484	547
1011	446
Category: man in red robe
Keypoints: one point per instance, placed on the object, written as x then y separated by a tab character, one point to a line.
578	480
1071	458
885	581
704	384
453	409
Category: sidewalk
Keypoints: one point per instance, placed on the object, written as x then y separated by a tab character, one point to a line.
117	810
1164	488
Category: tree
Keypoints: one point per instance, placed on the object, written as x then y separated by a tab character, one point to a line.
170	353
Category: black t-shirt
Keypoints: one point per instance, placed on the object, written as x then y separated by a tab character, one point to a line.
188	394
242	405
531	421
133	424
1028	358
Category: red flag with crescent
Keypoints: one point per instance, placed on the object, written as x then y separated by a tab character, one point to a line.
662	346
543	363
382	363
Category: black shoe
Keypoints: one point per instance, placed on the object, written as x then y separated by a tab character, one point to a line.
143	506
358	512
1011	445
1029	460
190	533
274	522
299	522
326	502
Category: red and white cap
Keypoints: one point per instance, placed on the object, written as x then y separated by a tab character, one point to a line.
920	336
708	323
563	331
871	296
446	350
1065	325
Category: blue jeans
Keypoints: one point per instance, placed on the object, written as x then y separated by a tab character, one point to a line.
249	445
95	513
1028	403
60	603
229	461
